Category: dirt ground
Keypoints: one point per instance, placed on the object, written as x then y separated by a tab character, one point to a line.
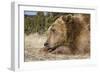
33	45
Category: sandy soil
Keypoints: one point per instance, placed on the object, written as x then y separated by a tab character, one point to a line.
33	45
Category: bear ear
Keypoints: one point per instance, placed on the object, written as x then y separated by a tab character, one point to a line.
67	18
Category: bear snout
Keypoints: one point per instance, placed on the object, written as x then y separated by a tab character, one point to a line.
46	44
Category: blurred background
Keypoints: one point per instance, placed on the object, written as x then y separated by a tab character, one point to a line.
39	21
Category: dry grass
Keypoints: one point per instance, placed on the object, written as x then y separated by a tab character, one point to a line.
33	45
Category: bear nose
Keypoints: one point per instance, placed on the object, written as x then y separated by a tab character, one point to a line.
46	44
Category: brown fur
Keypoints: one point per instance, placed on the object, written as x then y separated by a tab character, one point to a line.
69	35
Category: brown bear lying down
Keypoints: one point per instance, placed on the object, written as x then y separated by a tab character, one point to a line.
69	34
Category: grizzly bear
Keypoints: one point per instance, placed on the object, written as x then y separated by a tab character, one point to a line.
69	34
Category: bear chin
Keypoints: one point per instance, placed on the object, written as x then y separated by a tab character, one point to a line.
62	50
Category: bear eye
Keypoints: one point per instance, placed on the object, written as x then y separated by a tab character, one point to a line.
53	30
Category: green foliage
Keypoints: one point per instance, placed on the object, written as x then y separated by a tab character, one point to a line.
39	22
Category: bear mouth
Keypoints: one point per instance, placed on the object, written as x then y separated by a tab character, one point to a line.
50	49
